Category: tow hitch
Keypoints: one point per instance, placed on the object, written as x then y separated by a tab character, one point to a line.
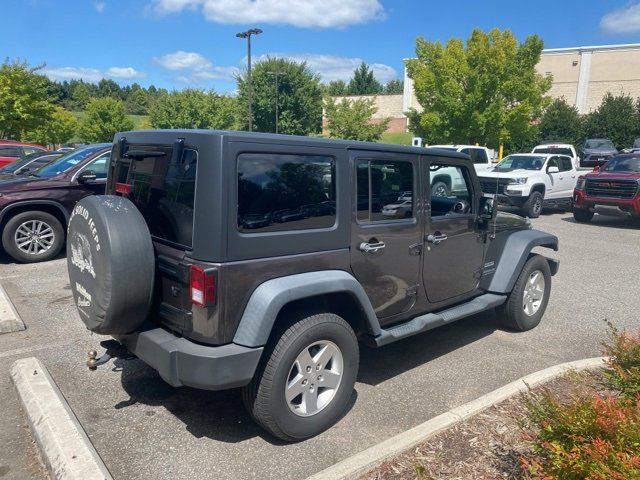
113	350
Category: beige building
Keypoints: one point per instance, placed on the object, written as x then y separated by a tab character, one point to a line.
388	106
582	75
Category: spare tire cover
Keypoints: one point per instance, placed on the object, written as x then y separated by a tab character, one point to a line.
111	264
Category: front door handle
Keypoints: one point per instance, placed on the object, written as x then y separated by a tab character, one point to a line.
371	247
436	238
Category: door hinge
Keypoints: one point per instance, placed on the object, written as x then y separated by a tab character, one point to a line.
412	291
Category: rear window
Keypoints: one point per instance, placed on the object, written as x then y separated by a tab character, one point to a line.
163	189
283	192
554	150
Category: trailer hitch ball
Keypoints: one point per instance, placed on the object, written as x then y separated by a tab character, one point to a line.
91	361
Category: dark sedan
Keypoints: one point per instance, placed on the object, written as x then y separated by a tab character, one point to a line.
34	210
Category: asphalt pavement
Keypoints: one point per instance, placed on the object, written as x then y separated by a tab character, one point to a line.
143	428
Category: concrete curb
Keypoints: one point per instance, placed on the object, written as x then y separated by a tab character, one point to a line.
64	445
10	321
363	461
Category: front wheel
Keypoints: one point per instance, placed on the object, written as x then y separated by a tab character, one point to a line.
305	379
33	236
528	300
582	215
532	208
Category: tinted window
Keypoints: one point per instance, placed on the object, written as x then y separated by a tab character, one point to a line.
30	150
99	165
67	161
478	155
451	193
278	192
163	189
384	190
554	150
10	151
622	164
553	162
599	143
565	164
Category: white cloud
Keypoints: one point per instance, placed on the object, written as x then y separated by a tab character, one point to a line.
333	67
300	13
181	60
195	67
622	20
99	6
93	75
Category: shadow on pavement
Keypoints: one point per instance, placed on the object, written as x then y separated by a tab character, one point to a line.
607	221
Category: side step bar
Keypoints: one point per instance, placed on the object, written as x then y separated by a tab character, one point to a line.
432	320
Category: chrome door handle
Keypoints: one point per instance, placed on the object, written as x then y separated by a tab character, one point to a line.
436	239
371	247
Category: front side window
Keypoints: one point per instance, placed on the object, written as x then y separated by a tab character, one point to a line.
565	164
384	190
100	165
284	192
451	192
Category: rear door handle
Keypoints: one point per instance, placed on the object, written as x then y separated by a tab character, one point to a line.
436	238
371	247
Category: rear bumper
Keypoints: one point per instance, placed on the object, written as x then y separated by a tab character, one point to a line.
621	206
182	362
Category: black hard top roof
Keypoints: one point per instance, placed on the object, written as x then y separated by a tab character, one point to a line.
297	139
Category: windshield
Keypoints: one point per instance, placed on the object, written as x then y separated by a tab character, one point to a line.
67	161
599	144
554	150
622	164
524	162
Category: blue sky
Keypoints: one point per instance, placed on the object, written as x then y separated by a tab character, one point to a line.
180	43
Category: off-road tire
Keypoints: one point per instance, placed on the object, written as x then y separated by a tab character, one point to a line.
264	397
9	232
532	208
511	313
442	187
582	215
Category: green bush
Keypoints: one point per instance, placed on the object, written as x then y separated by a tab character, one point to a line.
591	436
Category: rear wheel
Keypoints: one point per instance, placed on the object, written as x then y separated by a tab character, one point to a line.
532	208
440	189
33	236
305	379
528	300
582	215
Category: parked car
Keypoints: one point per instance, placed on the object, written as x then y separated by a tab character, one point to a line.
613	190
279	310
29	163
482	157
10	151
34	210
596	152
532	181
559	148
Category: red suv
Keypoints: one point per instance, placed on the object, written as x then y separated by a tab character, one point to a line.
612	190
10	151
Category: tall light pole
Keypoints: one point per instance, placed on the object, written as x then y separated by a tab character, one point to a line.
276	75
247	35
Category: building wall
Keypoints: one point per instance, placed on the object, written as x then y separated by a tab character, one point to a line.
388	106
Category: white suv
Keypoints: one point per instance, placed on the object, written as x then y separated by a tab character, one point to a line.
532	181
482	157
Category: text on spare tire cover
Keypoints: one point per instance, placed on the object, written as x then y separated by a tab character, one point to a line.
81	256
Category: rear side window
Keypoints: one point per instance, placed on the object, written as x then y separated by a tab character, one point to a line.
384	190
163	189
478	155
283	192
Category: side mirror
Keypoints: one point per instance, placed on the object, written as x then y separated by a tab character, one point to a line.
488	210
553	169
87	176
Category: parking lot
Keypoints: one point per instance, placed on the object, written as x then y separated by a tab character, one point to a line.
143	428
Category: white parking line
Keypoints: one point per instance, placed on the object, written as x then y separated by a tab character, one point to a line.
35	348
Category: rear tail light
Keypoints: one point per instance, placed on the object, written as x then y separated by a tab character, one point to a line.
202	286
123	188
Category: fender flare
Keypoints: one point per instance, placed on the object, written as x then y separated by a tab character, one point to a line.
270	297
515	254
7	210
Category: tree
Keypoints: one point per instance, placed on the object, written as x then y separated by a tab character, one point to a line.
104	117
336	88
351	119
137	101
394	87
25	101
81	94
616	118
364	82
485	91
299	97
561	122
193	108
60	128
109	88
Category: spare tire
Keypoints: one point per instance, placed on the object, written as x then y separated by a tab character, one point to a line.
111	264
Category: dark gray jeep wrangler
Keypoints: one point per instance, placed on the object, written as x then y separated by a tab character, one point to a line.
235	259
